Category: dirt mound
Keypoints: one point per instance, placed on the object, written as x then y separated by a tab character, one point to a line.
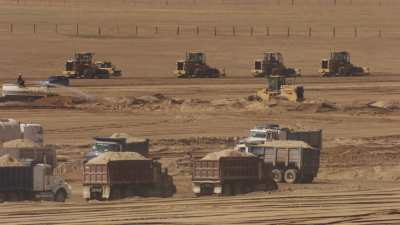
116	156
20	143
8	160
226	153
60	101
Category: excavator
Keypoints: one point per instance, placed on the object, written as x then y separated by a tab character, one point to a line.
272	64
195	66
281	87
339	65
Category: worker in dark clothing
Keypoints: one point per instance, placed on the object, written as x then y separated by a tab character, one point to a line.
20	81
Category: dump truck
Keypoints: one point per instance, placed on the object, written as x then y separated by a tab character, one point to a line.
230	174
118	143
83	66
272	64
292	161
30	182
115	175
11	129
280	87
339	64
195	66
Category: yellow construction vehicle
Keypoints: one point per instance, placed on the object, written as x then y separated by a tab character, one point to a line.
280	87
272	64
339	65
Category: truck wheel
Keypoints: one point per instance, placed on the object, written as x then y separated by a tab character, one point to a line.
60	196
290	176
277	175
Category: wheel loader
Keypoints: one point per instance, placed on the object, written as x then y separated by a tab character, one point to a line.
339	65
272	64
280	87
194	66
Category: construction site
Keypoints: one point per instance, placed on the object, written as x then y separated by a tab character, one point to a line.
282	128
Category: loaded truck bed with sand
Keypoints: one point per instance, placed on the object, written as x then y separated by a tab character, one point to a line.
230	172
114	175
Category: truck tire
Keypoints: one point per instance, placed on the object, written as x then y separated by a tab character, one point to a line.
60	196
290	176
277	175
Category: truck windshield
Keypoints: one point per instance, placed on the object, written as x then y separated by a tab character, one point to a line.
105	147
257	134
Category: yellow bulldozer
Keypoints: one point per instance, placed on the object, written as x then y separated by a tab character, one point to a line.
281	87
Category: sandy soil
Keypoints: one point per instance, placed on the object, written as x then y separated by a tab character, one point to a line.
358	181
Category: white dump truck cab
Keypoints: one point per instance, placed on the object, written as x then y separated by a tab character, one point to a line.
259	135
46	186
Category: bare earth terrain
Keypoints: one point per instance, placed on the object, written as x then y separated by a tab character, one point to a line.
359	177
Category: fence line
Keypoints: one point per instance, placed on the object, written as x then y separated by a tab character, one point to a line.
166	3
118	30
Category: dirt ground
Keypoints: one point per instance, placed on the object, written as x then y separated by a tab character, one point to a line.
359	177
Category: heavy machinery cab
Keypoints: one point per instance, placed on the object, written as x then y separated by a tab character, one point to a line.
70	65
343	57
258	65
196	57
180	65
324	64
275	83
274	58
84	57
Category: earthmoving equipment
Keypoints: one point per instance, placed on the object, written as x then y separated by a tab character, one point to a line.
291	161
194	66
231	175
83	66
272	64
339	65
26	182
110	144
281	87
124	176
109	67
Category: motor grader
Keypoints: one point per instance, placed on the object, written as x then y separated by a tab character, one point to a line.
280	87
272	64
83	66
339	65
195	66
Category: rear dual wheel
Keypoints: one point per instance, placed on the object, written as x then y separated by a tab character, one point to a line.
290	176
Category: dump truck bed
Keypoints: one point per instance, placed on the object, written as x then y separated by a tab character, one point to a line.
228	168
119	172
16	178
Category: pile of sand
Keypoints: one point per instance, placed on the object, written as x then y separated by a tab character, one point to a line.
8	160
116	156
226	153
21	143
